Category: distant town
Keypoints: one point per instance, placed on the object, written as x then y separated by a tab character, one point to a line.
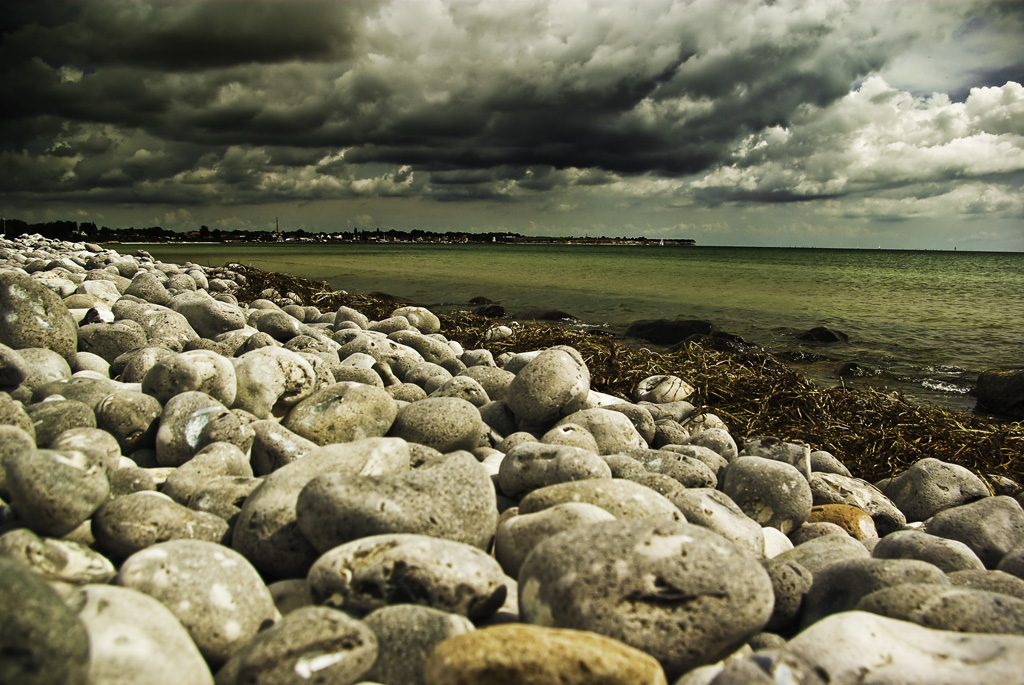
90	232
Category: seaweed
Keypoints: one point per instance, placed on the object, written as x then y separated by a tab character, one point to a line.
875	434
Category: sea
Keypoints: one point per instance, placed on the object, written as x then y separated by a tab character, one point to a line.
920	323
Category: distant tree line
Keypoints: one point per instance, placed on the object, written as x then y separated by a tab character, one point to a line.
90	232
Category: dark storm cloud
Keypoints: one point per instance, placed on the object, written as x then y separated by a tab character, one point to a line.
257	101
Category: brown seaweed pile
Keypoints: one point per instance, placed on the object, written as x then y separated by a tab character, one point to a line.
875	434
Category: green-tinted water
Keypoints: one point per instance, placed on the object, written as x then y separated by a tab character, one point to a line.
929	321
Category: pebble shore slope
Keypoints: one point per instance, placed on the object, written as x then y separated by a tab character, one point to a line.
196	489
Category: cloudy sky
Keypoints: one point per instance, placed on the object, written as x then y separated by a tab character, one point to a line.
825	123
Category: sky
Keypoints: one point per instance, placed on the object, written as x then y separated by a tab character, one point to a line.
812	123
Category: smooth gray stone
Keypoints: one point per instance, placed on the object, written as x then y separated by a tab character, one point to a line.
625	467
839	586
819	529
100	446
215	460
61	561
12	413
132	366
612	430
463	387
431	349
623	499
216	594
130	523
717	440
342	412
554	383
310	644
131	417
279	325
422	318
406	392
12	440
796	454
949	555
452	499
715	510
713	460
357	374
136	640
766	666
53	417
207	316
992	527
825	462
493	380
111	340
179	282
406	635
149	287
679	592
946	607
834	488
499	418
533	465
256	341
85	389
164	327
32	315
790	584
13	369
223	496
820	553
348	314
519	534
859	647
54	492
930	486
367	574
993	581
275	446
1013	562
428	375
444	423
676	411
571	435
125	480
195	370
228	425
267	531
291	594
640	416
772	493
661	389
690	471
41	639
44	366
396	356
185	417
390	325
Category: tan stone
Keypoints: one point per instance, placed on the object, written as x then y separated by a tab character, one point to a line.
516	653
855	521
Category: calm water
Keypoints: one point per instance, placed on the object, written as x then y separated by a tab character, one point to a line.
928	322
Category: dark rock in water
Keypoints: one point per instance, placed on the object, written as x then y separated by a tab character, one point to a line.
481	300
1001	391
41	639
823	336
669	331
854	370
717	340
491	311
541	314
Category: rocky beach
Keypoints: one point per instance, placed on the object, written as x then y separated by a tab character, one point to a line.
211	475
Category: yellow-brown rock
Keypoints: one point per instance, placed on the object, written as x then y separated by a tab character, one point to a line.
516	653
